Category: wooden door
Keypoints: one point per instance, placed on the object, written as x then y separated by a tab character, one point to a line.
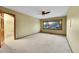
1	28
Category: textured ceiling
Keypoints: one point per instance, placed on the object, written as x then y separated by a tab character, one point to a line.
35	11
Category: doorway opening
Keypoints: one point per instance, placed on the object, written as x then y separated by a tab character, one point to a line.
8	26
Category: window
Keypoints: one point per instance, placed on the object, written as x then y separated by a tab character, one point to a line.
55	24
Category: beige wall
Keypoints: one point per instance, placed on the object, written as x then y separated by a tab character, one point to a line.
25	25
73	28
63	31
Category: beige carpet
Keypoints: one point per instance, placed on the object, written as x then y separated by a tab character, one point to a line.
38	43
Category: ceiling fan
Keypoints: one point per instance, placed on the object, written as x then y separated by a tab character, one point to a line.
44	12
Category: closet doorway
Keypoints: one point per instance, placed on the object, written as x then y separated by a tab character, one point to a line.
8	29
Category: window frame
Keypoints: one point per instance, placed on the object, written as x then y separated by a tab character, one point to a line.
52	21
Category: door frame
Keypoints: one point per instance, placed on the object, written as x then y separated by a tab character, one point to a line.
2	29
2	26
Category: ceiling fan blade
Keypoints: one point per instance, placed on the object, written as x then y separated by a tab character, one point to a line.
47	12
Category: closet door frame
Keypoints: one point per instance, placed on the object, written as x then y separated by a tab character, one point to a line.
2	27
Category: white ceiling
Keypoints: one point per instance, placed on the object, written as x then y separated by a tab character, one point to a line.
35	11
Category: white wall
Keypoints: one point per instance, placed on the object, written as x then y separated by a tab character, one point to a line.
73	28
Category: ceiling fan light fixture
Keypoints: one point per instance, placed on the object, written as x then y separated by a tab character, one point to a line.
44	12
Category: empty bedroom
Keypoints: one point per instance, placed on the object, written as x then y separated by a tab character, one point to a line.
39	29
